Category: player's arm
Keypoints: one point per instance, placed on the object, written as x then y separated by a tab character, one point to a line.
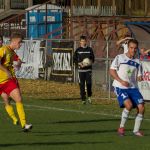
19	62
122	40
5	69
114	74
2	54
75	59
147	51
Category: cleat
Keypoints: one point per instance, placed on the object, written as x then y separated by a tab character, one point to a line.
15	122
121	131
139	133
27	127
83	102
89	100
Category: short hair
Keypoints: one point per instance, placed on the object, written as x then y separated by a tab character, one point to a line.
83	37
16	35
133	41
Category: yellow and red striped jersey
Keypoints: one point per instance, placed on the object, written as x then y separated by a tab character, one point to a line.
7	56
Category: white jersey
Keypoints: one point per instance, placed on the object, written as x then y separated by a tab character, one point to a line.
127	69
125	47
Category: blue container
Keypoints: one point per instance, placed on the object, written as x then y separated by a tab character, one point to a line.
39	25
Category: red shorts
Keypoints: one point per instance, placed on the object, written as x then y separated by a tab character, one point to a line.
9	86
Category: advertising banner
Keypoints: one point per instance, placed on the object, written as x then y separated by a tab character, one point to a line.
144	86
29	53
62	61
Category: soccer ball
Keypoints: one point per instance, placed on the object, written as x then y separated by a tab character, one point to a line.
86	62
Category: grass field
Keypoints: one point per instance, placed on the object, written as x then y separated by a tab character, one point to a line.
69	125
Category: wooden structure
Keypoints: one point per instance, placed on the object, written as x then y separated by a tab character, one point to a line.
98	19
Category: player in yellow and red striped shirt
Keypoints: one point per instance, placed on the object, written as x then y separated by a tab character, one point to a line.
8	81
5	97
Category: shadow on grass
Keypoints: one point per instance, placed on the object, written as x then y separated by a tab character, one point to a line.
85	121
61	99
89	132
51	143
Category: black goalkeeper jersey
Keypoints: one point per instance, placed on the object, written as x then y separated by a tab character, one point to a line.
82	53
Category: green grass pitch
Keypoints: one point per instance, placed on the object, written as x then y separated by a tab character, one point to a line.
63	125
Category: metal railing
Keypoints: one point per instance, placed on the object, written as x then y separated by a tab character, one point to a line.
104	54
104	51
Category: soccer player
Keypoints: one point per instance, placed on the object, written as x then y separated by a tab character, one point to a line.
8	81
85	72
126	71
8	107
5	97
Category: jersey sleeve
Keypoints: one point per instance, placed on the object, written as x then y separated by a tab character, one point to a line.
115	63
75	57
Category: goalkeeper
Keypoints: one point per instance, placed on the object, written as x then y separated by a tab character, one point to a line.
81	54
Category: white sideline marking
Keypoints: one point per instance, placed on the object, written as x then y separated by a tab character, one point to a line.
77	111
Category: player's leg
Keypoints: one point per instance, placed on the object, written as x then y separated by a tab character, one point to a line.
124	102
82	86
138	102
9	108
89	85
124	116
125	112
138	120
16	96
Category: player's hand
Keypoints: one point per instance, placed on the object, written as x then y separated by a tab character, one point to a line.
18	65
81	65
140	78
125	83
